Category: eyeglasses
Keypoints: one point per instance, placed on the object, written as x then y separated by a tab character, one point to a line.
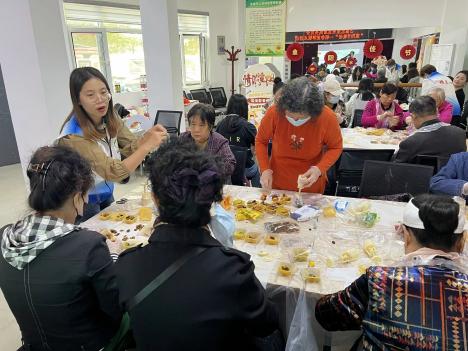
104	96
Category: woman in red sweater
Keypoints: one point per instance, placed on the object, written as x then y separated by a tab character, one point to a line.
306	139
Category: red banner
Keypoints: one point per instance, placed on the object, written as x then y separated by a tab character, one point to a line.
330	57
295	52
407	52
373	48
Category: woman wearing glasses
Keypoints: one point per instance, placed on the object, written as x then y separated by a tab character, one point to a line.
94	130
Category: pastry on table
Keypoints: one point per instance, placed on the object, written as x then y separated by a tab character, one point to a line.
104	216
282	227
369	248
285	269
239	234
253	237
348	256
300	254
132	242
311	275
118	216
145	213
109	234
130	219
227	202
239	203
282	211
272	239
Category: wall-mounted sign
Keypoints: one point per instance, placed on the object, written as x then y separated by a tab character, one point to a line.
338	35
221	43
265	27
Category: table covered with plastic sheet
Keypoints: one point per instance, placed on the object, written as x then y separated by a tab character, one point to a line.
372	138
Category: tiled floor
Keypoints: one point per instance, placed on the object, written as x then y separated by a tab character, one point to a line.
12	207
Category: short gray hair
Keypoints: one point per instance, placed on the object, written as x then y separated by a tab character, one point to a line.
302	96
423	106
439	92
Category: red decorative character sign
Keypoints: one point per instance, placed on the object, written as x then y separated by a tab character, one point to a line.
312	69
373	48
407	52
351	62
295	52
330	57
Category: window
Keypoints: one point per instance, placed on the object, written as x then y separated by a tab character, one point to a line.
109	39
193	32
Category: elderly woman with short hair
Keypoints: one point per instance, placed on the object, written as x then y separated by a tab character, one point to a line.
444	107
306	139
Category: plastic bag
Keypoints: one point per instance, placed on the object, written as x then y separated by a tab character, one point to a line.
222	226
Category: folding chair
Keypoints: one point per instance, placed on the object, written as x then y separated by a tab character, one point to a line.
170	120
219	98
201	95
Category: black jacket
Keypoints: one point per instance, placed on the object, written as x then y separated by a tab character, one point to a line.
443	141
66	298
239	132
214	302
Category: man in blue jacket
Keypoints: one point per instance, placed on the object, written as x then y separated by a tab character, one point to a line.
453	178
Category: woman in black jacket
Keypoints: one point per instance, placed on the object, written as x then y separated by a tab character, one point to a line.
213	300
58	279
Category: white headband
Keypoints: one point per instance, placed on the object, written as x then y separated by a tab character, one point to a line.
411	218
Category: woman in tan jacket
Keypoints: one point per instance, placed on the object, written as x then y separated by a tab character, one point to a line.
99	135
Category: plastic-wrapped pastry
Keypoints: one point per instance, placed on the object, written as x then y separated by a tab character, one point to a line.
252	203
285	269
145	213
369	248
272	239
299	254
124	245
239	234
281	227
238	203
130	219
367	219
118	216
348	256
109	234
330	262
253	237
329	211
104	216
243	214
311	274
282	211
227	202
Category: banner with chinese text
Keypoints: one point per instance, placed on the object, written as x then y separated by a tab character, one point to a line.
258	82
265	31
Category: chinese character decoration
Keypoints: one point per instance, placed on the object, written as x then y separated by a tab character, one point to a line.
330	57
351	62
407	52
232	58
312	69
295	52
373	48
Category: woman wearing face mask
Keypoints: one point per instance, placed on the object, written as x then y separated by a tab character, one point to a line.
57	278
333	93
100	136
201	119
306	139
410	305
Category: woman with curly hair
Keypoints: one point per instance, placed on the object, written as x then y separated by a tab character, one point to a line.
306	139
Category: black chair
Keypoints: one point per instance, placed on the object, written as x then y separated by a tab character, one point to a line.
389	178
187	95
219	97
349	168
357	118
238	176
431	160
201	95
170	120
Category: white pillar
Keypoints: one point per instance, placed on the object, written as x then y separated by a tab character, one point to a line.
159	26
35	69
454	30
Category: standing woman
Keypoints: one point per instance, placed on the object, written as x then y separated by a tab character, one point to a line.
100	136
306	139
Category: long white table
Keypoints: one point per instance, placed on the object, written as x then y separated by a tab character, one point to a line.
359	138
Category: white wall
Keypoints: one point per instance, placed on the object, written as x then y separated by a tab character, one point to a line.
362	14
405	36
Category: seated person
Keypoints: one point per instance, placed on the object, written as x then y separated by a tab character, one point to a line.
432	137
240	132
358	101
444	108
407	306
213	301
384	112
333	98
201	120
57	278
452	179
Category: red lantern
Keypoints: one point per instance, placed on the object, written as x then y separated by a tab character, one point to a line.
312	69
330	57
295	52
407	52
351	62
373	48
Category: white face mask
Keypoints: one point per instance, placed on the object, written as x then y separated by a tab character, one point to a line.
297	123
333	99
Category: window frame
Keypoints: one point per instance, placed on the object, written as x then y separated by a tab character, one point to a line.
203	59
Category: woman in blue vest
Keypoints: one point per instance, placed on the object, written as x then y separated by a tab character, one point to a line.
100	136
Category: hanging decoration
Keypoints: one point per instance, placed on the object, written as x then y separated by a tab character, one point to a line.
330	57
407	52
351	62
295	52
373	48
312	69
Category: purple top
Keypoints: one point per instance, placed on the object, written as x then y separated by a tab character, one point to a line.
219	146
